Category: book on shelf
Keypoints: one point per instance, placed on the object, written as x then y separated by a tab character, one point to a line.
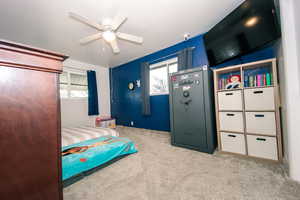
268	79
246	81
259	80
250	81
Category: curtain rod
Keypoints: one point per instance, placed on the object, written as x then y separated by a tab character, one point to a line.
172	54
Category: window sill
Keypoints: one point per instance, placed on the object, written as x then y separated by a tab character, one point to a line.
160	94
74	98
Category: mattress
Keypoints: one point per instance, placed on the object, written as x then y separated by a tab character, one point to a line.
75	135
81	157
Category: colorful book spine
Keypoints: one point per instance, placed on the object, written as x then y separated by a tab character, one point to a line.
261	81
251	81
222	83
258	79
246	81
268	79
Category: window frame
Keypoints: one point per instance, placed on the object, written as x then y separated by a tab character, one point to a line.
165	63
69	72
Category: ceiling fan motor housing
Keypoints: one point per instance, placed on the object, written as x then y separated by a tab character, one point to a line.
107	29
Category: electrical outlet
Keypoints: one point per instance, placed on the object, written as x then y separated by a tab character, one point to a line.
131	123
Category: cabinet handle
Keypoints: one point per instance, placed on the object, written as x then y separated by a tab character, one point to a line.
230	114
232	136
259	115
227	94
258	92
260	139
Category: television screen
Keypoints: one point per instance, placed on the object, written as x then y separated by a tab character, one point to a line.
252	25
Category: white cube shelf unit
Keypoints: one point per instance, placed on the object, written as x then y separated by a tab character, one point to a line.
248	114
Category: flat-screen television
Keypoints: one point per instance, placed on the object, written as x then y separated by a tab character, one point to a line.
252	25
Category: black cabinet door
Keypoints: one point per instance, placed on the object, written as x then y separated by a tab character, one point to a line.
188	113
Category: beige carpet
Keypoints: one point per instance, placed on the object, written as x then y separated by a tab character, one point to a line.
160	171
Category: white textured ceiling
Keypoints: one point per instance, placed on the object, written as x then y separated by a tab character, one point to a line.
162	23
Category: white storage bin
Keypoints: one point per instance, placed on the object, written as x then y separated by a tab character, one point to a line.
262	147
259	99
234	143
230	100
231	121
261	123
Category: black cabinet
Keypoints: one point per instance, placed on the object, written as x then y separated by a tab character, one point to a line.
192	109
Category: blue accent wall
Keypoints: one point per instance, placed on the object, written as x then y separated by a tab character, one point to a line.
126	104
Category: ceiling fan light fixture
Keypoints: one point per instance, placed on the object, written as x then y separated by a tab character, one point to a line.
109	36
108	33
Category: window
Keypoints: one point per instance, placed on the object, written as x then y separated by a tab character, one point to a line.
73	85
63	83
159	76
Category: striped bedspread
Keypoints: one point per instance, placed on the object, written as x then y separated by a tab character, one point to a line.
78	134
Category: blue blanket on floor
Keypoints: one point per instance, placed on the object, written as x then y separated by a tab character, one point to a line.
83	156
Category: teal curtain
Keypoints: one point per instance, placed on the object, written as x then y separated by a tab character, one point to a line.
93	93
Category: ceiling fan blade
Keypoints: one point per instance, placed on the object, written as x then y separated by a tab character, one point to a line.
118	21
86	21
114	46
129	37
90	38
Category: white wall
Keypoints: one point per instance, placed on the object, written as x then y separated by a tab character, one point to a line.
291	89
282	84
74	112
297	23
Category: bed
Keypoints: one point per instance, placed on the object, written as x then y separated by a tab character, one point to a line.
86	150
72	135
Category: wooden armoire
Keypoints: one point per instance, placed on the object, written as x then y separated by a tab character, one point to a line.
30	138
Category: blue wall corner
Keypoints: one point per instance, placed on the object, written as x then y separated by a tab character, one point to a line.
126	104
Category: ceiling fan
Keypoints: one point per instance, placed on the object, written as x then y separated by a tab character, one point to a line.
108	31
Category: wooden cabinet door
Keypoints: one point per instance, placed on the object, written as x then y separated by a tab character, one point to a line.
30	167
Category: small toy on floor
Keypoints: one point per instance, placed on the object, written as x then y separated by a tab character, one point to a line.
105	122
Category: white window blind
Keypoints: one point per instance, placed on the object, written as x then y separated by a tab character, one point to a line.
73	85
63	78
78	85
